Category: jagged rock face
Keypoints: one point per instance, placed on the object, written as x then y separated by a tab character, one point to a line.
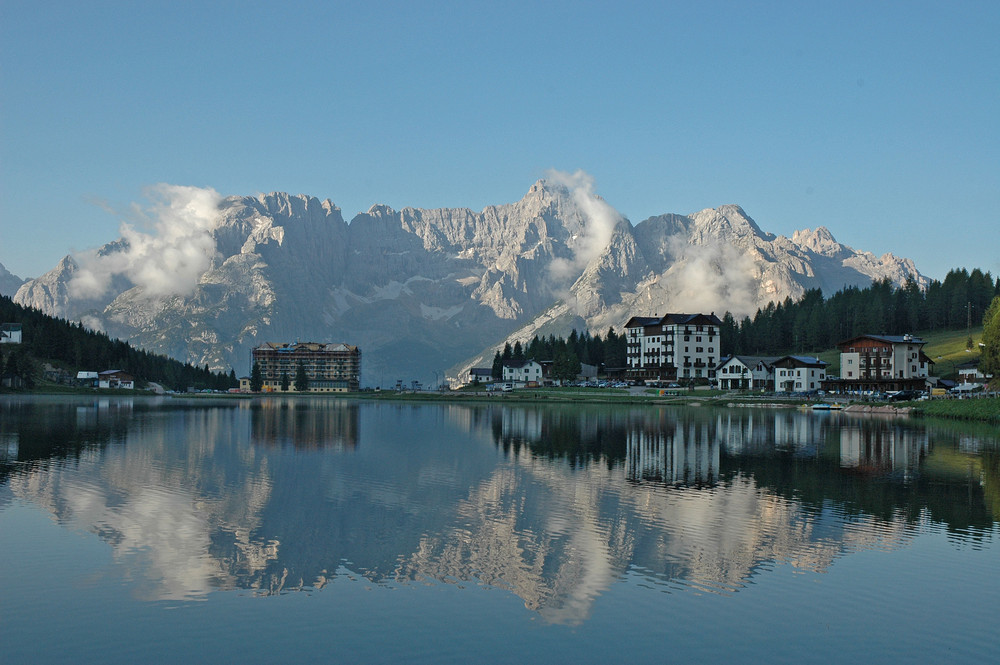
419	290
9	282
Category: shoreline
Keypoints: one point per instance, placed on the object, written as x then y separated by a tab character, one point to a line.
986	409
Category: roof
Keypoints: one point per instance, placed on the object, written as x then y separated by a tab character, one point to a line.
641	321
481	371
518	364
674	319
891	339
801	361
10	327
751	361
286	347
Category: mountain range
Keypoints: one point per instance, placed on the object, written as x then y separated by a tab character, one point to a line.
426	293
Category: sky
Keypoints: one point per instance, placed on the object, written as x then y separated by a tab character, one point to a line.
878	120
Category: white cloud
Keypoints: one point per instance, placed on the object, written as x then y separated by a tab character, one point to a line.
715	277
168	257
599	222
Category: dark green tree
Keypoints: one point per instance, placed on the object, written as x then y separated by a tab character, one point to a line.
989	362
497	370
284	381
517	355
301	378
508	353
256	379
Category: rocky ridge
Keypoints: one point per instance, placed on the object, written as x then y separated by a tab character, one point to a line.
421	290
9	282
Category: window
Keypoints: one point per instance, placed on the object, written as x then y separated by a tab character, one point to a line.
697	339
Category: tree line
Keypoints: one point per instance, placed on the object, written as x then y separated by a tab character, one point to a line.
56	340
815	323
812	323
566	354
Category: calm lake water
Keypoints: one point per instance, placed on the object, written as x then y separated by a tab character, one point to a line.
318	529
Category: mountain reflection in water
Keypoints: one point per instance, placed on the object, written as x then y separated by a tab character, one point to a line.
555	504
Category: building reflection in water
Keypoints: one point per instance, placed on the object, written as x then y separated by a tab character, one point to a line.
674	452
881	447
305	423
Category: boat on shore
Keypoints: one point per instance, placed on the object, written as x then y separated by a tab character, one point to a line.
824	406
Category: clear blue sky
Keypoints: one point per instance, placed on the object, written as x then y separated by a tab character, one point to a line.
879	120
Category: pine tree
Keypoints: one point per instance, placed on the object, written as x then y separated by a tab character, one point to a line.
989	362
256	380
301	378
497	370
517	355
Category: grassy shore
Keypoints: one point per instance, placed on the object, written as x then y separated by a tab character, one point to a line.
986	409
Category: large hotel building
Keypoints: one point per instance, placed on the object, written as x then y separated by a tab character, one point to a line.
673	347
330	367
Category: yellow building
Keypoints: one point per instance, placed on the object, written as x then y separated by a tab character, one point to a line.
329	367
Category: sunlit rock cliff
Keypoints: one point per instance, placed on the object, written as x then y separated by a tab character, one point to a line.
422	290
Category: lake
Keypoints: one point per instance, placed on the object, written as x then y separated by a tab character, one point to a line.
338	530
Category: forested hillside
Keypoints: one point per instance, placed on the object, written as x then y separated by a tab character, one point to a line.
75	348
815	323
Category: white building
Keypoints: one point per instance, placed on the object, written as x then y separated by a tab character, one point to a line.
882	363
522	372
10	333
969	373
793	374
115	378
746	373
673	347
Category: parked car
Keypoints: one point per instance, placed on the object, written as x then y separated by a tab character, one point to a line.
905	395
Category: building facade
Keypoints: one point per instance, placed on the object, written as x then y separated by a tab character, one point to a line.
746	373
795	374
329	367
10	333
882	363
527	371
673	347
115	378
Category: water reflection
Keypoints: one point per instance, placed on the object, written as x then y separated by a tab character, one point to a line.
555	504
302	423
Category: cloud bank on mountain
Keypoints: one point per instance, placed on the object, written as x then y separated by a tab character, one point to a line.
164	251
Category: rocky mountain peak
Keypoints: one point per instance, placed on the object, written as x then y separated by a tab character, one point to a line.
727	222
820	241
380	210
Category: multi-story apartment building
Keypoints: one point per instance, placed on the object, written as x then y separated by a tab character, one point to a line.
673	347
882	362
329	367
